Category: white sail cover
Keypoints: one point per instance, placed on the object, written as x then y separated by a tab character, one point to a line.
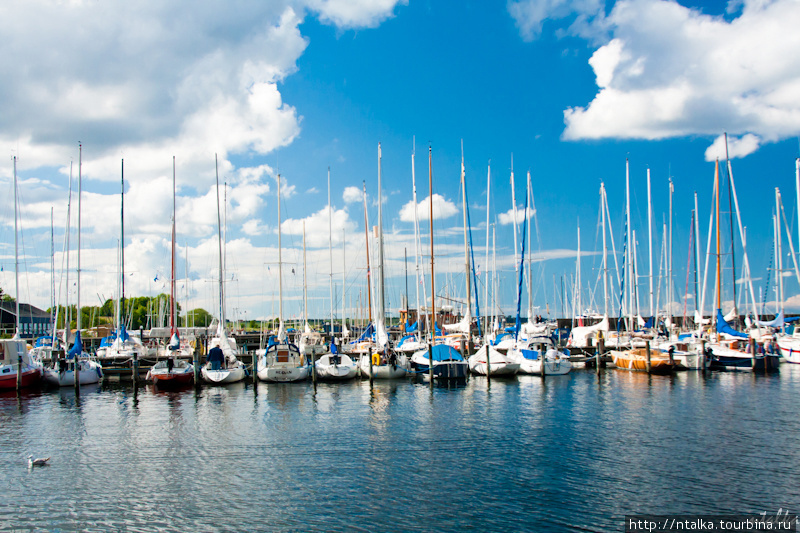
462	326
579	335
381	337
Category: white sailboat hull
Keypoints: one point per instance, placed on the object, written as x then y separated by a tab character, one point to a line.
88	372
344	369
224	375
384	370
499	364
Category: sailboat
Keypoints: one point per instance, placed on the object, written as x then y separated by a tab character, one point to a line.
333	365
122	345
311	343
441	362
17	367
89	370
173	372
529	354
731	348
233	369
281	361
381	362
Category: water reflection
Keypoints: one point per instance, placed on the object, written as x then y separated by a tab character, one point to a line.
398	455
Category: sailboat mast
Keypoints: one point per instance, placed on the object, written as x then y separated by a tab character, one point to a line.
280	267
797	189
366	234
330	244
605	252
16	250
514	214
697	265
121	243
716	210
305	281
430	216
629	249
80	189
416	233
486	264
650	240
670	285
380	242
468	271
172	323
779	247
730	216
219	242
530	262
344	285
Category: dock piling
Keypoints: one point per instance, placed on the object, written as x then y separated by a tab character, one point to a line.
647	355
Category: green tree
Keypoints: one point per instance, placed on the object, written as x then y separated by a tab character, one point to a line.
197	317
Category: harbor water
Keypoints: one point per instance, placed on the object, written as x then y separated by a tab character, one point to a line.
568	453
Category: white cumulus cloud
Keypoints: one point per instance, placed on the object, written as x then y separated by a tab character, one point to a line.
442	208
671	71
352	194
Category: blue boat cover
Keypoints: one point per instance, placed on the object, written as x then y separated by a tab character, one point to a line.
443	352
530	354
724	327
411	328
500	337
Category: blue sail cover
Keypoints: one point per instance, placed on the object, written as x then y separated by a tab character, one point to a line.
368	333
777	322
77	348
122	333
412	328
724	327
521	269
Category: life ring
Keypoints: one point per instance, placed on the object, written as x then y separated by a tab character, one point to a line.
376	359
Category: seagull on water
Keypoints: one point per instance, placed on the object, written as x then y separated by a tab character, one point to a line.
37	462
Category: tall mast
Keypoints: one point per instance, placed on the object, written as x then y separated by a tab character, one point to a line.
223	322
605	252
330	244
366	233
468	271
487	312
514	214
16	250
121	244
80	189
172	321
530	263
381	336
416	232
670	286
381	296
730	216
281	332
430	214
344	286
305	282
629	248
716	210
697	264
779	247
650	239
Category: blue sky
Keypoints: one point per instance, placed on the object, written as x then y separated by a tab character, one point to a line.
571	89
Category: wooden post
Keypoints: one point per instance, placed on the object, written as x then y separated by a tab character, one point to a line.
544	363
601	348
19	368
703	361
196	361
647	355
314	365
462	350
430	363
255	373
753	347
134	368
